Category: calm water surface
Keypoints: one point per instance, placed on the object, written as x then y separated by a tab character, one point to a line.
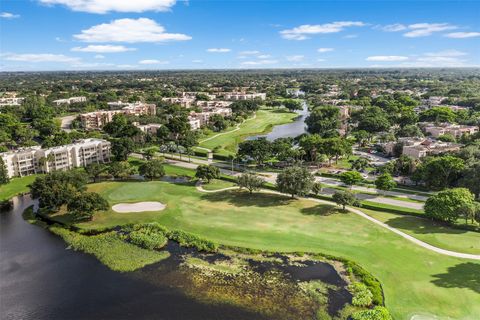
40	279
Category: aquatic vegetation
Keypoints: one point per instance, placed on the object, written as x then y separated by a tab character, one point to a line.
110	249
377	313
148	236
362	297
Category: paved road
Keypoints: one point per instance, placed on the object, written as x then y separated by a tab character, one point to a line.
271	177
383	225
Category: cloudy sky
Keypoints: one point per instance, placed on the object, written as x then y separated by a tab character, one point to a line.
199	34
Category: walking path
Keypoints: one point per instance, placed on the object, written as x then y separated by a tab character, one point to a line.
365	216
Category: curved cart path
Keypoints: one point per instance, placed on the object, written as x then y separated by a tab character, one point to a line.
365	216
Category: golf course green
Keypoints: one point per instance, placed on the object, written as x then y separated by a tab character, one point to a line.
226	142
416	281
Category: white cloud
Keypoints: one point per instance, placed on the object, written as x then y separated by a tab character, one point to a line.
104	6
129	30
219	50
321	60
441	59
350	36
197	61
264	56
322	50
107	48
99	56
126	66
8	15
152	61
419	29
295	58
387	58
259	62
462	35
446	53
249	53
394	27
302	32
39	57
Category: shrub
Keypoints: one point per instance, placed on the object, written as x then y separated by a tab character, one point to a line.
148	235
362	297
377	313
190	240
370	281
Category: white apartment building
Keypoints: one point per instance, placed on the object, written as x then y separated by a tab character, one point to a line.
150	128
206	113
427	147
185	102
117	104
213	104
194	123
33	160
11	101
455	130
70	100
97	119
244	96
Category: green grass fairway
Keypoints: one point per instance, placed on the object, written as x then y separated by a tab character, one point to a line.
415	280
15	187
264	121
433	233
217	184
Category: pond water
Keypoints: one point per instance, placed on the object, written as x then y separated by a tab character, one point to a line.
41	279
288	130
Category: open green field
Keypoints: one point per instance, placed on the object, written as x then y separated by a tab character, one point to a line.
15	187
263	122
434	233
415	280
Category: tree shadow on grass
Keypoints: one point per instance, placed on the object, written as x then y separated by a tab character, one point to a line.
245	199
463	275
320	210
422	226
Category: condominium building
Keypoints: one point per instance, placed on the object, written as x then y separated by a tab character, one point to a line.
33	160
455	130
117	104
194	123
185	102
206	113
97	119
11	101
70	100
150	128
428	147
244	96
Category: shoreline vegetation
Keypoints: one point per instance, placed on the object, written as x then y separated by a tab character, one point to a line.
226	274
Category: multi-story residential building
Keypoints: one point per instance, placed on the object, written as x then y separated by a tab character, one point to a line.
97	119
185	102
11	101
206	113
193	95
428	147
150	128
117	104
70	100
213	104
194	123
244	96
455	130
83	152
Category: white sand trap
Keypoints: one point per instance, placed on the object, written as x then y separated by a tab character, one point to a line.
139	207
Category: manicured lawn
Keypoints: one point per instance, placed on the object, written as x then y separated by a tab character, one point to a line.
415	280
431	232
15	187
217	184
263	123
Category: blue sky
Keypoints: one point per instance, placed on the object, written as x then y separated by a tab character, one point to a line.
169	34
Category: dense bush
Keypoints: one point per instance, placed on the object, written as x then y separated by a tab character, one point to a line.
362	297
189	240
148	236
370	281
377	313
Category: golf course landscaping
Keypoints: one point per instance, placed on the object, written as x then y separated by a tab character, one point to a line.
416	281
225	143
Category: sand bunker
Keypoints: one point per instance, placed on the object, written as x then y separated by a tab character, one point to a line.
139	207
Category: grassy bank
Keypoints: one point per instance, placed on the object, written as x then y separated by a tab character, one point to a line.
415	280
15	187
